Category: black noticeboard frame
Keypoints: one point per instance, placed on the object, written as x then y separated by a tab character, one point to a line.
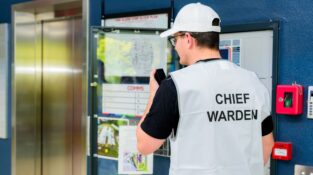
92	79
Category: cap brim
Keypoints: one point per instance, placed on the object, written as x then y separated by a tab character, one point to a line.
168	33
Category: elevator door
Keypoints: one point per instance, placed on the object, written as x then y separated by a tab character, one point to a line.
61	97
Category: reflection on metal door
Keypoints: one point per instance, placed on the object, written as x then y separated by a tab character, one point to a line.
60	98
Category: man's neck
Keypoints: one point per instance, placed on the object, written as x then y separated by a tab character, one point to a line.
203	54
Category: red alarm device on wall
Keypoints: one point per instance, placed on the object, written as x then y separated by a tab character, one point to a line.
282	151
289	99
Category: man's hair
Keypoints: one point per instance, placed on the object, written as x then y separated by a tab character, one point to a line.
207	39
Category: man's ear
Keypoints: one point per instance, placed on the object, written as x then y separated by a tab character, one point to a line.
190	40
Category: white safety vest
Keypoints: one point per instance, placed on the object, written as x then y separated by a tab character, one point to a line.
221	109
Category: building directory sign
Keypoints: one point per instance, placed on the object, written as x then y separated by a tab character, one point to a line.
151	21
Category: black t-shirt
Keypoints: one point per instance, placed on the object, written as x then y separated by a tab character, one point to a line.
163	116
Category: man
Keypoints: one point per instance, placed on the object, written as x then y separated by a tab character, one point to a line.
218	114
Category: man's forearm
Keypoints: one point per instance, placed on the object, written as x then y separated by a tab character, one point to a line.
268	143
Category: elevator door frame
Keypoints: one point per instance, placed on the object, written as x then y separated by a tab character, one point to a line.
26	97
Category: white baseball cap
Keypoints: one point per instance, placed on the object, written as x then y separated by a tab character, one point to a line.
194	17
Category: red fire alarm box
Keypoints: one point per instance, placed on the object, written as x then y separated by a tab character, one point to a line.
282	151
289	99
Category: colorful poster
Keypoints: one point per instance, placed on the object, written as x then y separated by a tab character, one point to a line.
230	50
108	134
130	161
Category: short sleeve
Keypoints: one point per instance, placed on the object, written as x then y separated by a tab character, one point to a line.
267	126
163	115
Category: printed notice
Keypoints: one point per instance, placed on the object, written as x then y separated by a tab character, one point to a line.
133	55
130	161
155	21
125	99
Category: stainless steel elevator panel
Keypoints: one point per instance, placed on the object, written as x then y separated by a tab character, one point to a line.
62	97
26	97
48	106
57	126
